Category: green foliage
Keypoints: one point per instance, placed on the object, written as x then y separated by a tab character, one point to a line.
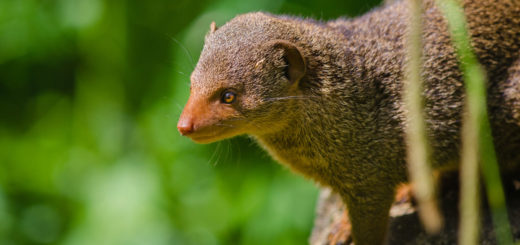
90	92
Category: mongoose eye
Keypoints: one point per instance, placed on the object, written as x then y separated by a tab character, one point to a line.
228	97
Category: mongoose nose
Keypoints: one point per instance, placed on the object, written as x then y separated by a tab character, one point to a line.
185	126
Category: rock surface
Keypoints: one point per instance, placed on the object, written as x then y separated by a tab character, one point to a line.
332	225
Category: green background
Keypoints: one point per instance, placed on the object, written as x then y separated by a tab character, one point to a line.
90	93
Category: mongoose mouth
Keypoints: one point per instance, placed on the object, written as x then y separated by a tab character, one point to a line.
209	134
205	139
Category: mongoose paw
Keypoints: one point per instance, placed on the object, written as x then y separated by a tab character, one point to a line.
340	233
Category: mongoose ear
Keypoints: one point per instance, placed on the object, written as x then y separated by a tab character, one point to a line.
296	62
212	27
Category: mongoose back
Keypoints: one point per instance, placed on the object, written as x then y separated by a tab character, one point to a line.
324	98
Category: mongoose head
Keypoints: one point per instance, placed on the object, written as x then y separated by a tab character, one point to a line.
248	71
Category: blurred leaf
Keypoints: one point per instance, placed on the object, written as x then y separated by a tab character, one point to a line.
90	93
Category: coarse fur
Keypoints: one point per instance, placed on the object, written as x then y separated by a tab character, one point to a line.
341	123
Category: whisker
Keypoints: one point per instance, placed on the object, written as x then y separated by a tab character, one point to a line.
287	98
179	106
235	119
183	74
225	125
215	153
186	51
228	150
254	125
219	155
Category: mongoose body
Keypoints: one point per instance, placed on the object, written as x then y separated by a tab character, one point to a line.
325	98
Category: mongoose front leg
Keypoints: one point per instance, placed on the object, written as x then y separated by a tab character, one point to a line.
368	209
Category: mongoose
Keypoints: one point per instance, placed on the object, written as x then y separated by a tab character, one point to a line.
324	98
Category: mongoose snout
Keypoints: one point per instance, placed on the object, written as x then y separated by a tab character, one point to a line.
208	119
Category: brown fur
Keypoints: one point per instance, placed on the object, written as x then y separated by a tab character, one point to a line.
341	124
